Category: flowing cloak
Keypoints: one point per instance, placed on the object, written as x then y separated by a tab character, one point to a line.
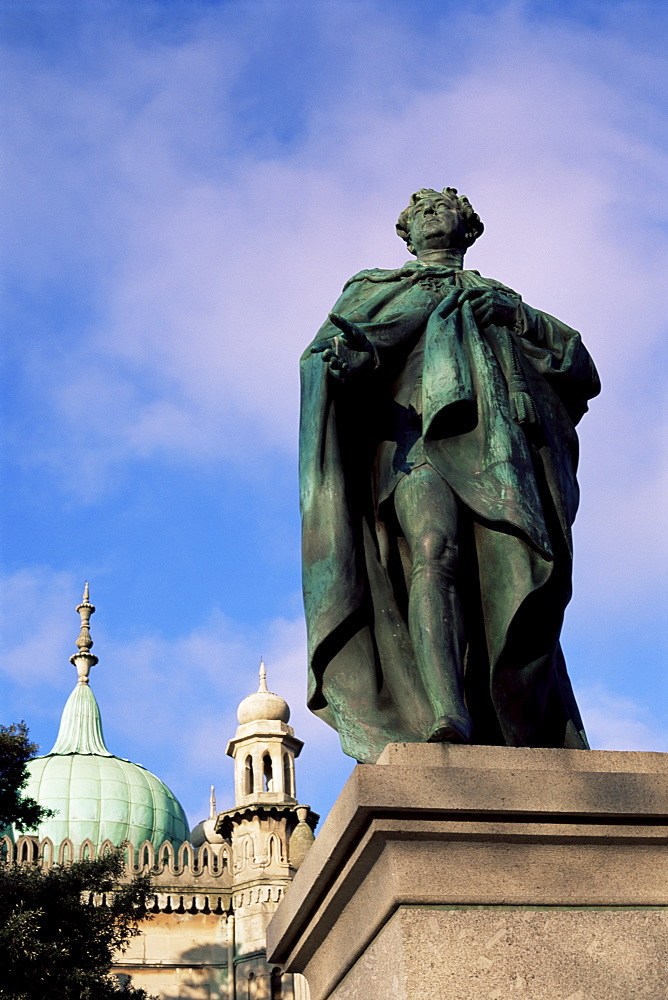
518	492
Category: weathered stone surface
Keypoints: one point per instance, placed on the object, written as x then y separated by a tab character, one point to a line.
502	954
455	826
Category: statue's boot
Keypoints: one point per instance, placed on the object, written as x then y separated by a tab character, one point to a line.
448	730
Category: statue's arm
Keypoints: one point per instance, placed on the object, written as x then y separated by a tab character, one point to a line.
368	322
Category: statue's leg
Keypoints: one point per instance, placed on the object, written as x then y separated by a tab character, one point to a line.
428	514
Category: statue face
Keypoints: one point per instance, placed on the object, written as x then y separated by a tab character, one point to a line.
436	225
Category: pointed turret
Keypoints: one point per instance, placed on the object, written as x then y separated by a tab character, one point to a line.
81	723
262	839
205	832
264	748
263	705
95	795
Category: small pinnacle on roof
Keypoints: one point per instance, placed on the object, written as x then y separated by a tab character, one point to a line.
84	659
263	705
213	812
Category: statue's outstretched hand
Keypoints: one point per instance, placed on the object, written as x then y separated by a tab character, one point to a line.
490	306
349	353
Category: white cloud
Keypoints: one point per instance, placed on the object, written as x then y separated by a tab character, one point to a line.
615	723
219	278
37	638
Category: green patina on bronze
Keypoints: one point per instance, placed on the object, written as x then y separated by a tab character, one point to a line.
438	460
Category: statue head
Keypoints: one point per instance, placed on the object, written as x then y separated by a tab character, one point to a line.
439	219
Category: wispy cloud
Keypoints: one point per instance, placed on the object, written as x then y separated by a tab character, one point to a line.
36	638
615	723
209	282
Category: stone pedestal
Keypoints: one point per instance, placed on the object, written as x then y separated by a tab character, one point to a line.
486	873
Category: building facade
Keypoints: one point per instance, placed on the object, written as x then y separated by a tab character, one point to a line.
215	888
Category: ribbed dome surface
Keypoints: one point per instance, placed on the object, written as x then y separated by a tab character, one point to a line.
99	796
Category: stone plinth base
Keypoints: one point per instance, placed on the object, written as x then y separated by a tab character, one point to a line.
486	873
510	953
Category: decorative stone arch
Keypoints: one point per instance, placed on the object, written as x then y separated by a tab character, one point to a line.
66	852
204	857
274	849
186	856
6	848
106	847
244	852
146	855
87	850
128	855
27	848
46	853
166	855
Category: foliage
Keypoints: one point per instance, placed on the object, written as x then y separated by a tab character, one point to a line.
55	943
15	750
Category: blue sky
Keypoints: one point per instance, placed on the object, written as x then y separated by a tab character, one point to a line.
187	185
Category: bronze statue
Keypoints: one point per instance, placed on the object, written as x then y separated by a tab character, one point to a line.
437	466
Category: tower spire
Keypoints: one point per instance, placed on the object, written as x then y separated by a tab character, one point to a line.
262	689
84	659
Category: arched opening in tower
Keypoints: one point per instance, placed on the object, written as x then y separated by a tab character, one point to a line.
267	773
248	776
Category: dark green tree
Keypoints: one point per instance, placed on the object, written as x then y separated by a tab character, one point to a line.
15	751
58	937
60	928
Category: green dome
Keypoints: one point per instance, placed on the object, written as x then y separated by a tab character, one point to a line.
99	796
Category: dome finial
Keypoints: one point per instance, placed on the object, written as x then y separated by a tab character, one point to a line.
263	705
84	659
213	812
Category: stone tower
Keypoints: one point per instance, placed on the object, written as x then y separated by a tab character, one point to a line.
269	834
264	749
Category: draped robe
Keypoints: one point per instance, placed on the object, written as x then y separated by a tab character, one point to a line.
446	394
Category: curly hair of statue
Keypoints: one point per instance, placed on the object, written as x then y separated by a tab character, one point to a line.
474	225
